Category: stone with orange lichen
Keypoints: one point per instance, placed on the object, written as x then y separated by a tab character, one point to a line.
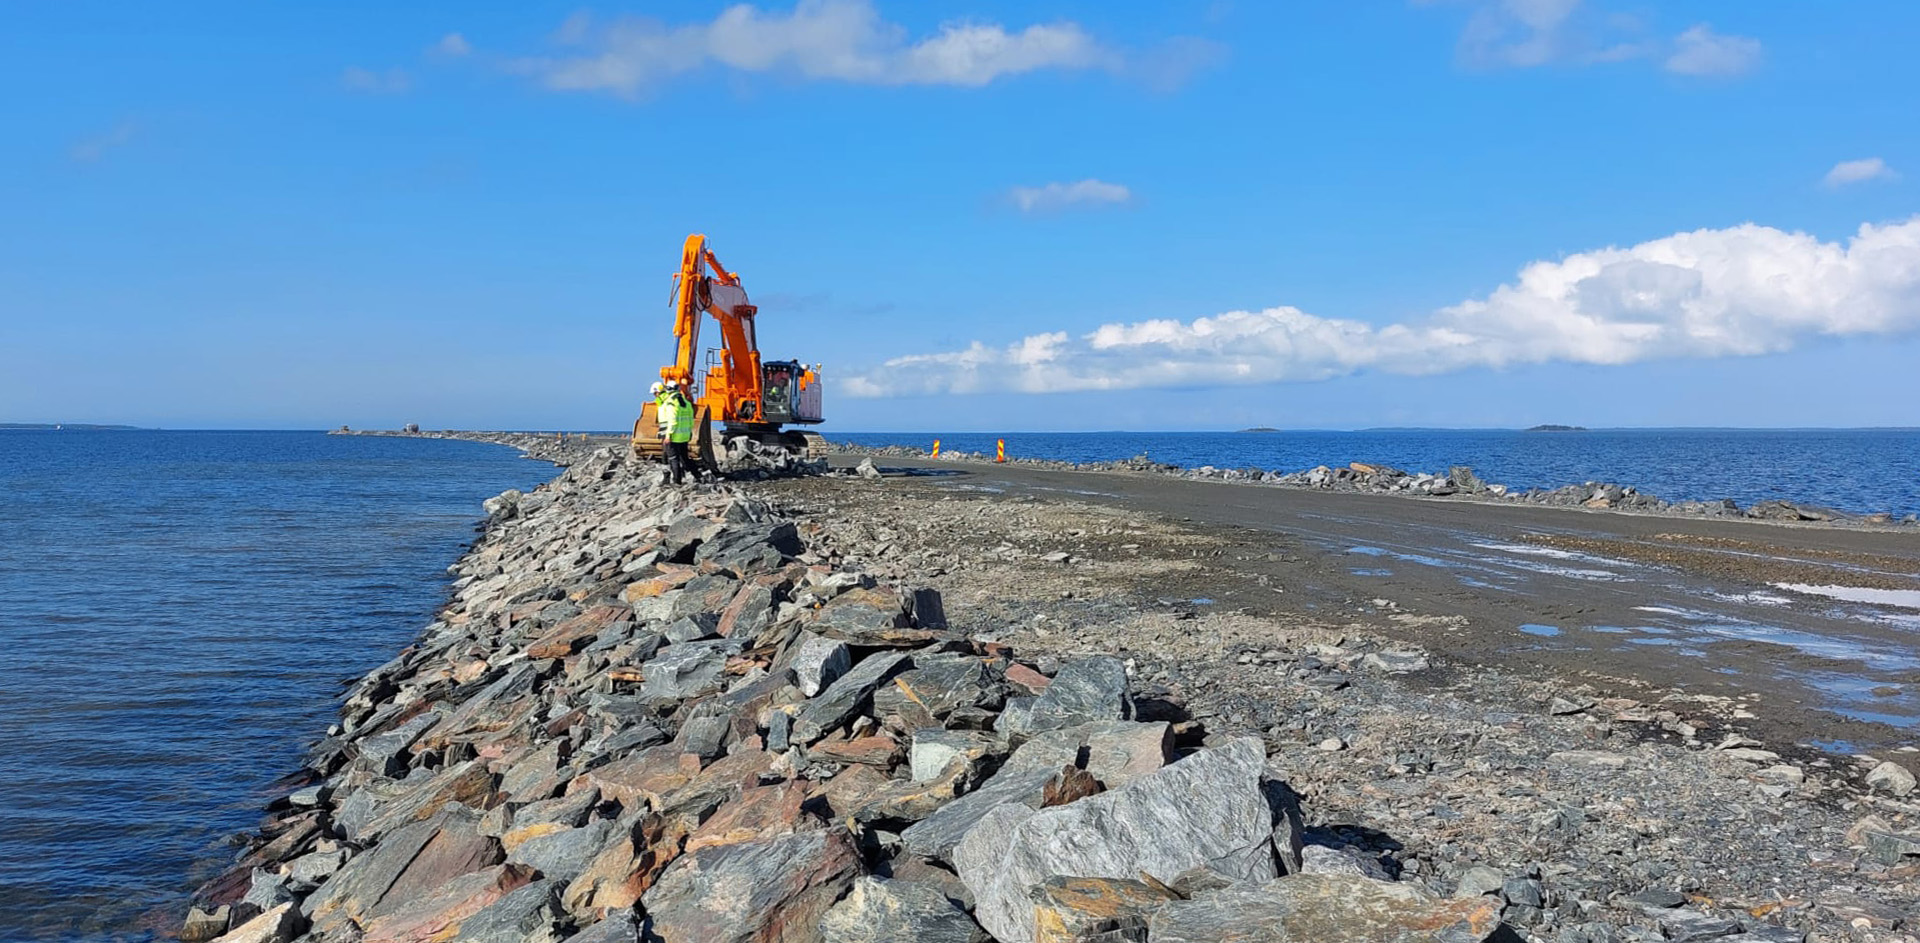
1309	908
1067	909
772	890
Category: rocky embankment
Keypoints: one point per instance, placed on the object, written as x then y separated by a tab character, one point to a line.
656	713
1458	482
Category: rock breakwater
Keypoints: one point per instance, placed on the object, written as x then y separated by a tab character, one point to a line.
651	713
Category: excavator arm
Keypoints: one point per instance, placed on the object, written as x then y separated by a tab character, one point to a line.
704	287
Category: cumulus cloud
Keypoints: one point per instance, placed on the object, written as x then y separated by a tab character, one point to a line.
453	45
1530	33
1701	51
389	82
1858	171
832	40
1086	193
91	149
1740	291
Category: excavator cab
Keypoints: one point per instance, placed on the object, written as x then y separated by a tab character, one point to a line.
789	392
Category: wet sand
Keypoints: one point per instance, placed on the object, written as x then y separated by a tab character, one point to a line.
1814	631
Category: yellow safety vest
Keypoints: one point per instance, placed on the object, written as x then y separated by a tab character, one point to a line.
679	425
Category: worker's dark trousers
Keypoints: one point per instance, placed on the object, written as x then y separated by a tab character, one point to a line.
679	463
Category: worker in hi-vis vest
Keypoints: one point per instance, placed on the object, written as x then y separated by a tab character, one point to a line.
676	430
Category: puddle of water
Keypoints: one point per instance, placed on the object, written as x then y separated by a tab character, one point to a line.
1532	551
1837	747
1570	572
1656	641
1875	717
989	489
1202	601
1078	491
1818	645
1611	629
1753	599
1903	598
1409	557
1371	571
1544	631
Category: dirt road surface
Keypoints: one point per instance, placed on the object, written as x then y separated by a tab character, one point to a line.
1817	629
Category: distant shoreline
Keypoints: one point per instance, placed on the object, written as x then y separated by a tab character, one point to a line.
64	427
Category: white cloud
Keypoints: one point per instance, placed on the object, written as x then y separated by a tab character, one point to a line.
453	45
1059	196
1531	33
1528	33
1701	51
1740	291
390	82
89	150
1857	171
834	40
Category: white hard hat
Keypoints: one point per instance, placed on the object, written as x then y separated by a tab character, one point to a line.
656	388
673	384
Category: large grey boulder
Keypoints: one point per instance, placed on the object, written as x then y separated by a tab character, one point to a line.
1314	908
688	670
844	697
882	911
1891	778
1206	810
1019	781
818	662
746	892
1083	691
562	855
529	915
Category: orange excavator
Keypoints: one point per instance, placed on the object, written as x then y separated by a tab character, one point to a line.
746	398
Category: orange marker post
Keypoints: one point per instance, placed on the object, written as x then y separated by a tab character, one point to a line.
936	448
1000	450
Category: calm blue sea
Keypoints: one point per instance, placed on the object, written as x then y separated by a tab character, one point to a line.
1867	470
177	611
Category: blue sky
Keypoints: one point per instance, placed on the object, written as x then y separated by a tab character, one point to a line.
1145	216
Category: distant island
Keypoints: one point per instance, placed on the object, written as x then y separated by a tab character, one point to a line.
1260	429
1554	428
93	427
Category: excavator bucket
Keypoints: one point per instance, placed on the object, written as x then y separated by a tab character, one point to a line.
646	434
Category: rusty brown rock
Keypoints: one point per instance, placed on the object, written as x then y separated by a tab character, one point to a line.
879	751
641	779
456	848
631	863
1318	907
649	588
760	812
573	634
435	913
1028	680
852	788
1069	784
765	891
1071	909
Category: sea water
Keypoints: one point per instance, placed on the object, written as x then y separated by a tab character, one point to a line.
178	611
1858	470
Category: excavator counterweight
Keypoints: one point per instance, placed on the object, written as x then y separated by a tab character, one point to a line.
739	396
